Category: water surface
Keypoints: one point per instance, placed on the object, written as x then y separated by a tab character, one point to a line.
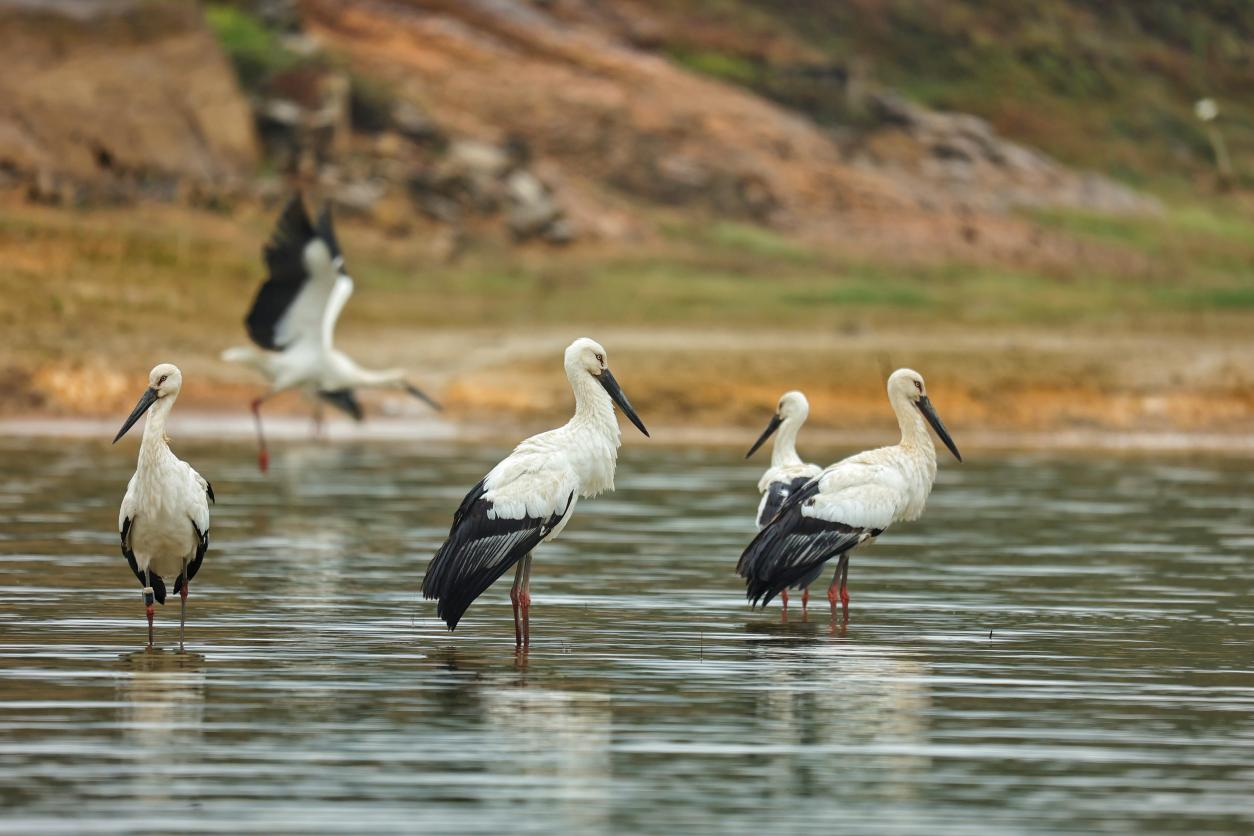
1061	644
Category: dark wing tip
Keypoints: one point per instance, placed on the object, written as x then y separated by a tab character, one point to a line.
209	491
326	231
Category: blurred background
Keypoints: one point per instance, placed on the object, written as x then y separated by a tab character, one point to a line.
1046	207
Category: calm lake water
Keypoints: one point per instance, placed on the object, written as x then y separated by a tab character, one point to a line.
318	693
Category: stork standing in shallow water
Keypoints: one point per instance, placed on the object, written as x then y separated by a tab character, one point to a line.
293	318
528	498
787	473
164	520
849	503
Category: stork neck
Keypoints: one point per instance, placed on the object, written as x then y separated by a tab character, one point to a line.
593	407
914	434
154	443
784	452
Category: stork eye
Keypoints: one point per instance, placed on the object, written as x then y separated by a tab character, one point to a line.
161	379
600	358
918	384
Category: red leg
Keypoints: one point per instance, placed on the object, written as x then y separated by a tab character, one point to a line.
263	455
844	584
183	605
513	599
805	598
525	600
833	591
783	596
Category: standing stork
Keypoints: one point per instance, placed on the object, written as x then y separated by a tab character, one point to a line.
164	519
528	498
292	321
787	473
850	503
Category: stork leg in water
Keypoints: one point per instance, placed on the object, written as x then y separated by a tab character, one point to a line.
839	589
524	600
149	609
183	604
514	599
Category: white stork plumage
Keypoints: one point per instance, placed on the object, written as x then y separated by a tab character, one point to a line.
292	321
849	503
528	498
787	473
164	519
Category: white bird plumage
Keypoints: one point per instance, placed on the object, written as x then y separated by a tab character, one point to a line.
850	502
530	495
164	518
292	322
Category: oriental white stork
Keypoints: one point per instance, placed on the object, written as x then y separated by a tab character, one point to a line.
849	503
528	498
164	519
292	321
787	473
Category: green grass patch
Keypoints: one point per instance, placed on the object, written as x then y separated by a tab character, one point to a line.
255	51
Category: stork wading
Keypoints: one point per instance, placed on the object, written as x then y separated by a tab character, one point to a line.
850	503
164	519
529	497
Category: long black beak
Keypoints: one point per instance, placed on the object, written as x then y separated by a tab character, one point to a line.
766	433
929	412
423	396
616	394
145	400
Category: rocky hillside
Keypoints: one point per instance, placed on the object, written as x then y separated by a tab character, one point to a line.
106	101
555	120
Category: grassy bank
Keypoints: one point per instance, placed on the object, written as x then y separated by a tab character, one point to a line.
712	319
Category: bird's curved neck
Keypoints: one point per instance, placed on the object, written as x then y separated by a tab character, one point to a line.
593	408
914	434
154	443
784	452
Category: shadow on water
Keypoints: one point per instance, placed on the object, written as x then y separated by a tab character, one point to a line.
322	695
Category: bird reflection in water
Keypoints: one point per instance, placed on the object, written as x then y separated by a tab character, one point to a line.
872	703
161	696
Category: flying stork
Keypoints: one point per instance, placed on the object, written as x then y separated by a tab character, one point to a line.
850	503
164	519
787	473
528	498
292	322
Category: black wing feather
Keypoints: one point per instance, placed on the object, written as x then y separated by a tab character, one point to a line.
287	276
478	551
344	400
775	496
202	546
209	492
792	546
158	585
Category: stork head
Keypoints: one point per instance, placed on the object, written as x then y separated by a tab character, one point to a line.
792	405
164	381
907	385
587	357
